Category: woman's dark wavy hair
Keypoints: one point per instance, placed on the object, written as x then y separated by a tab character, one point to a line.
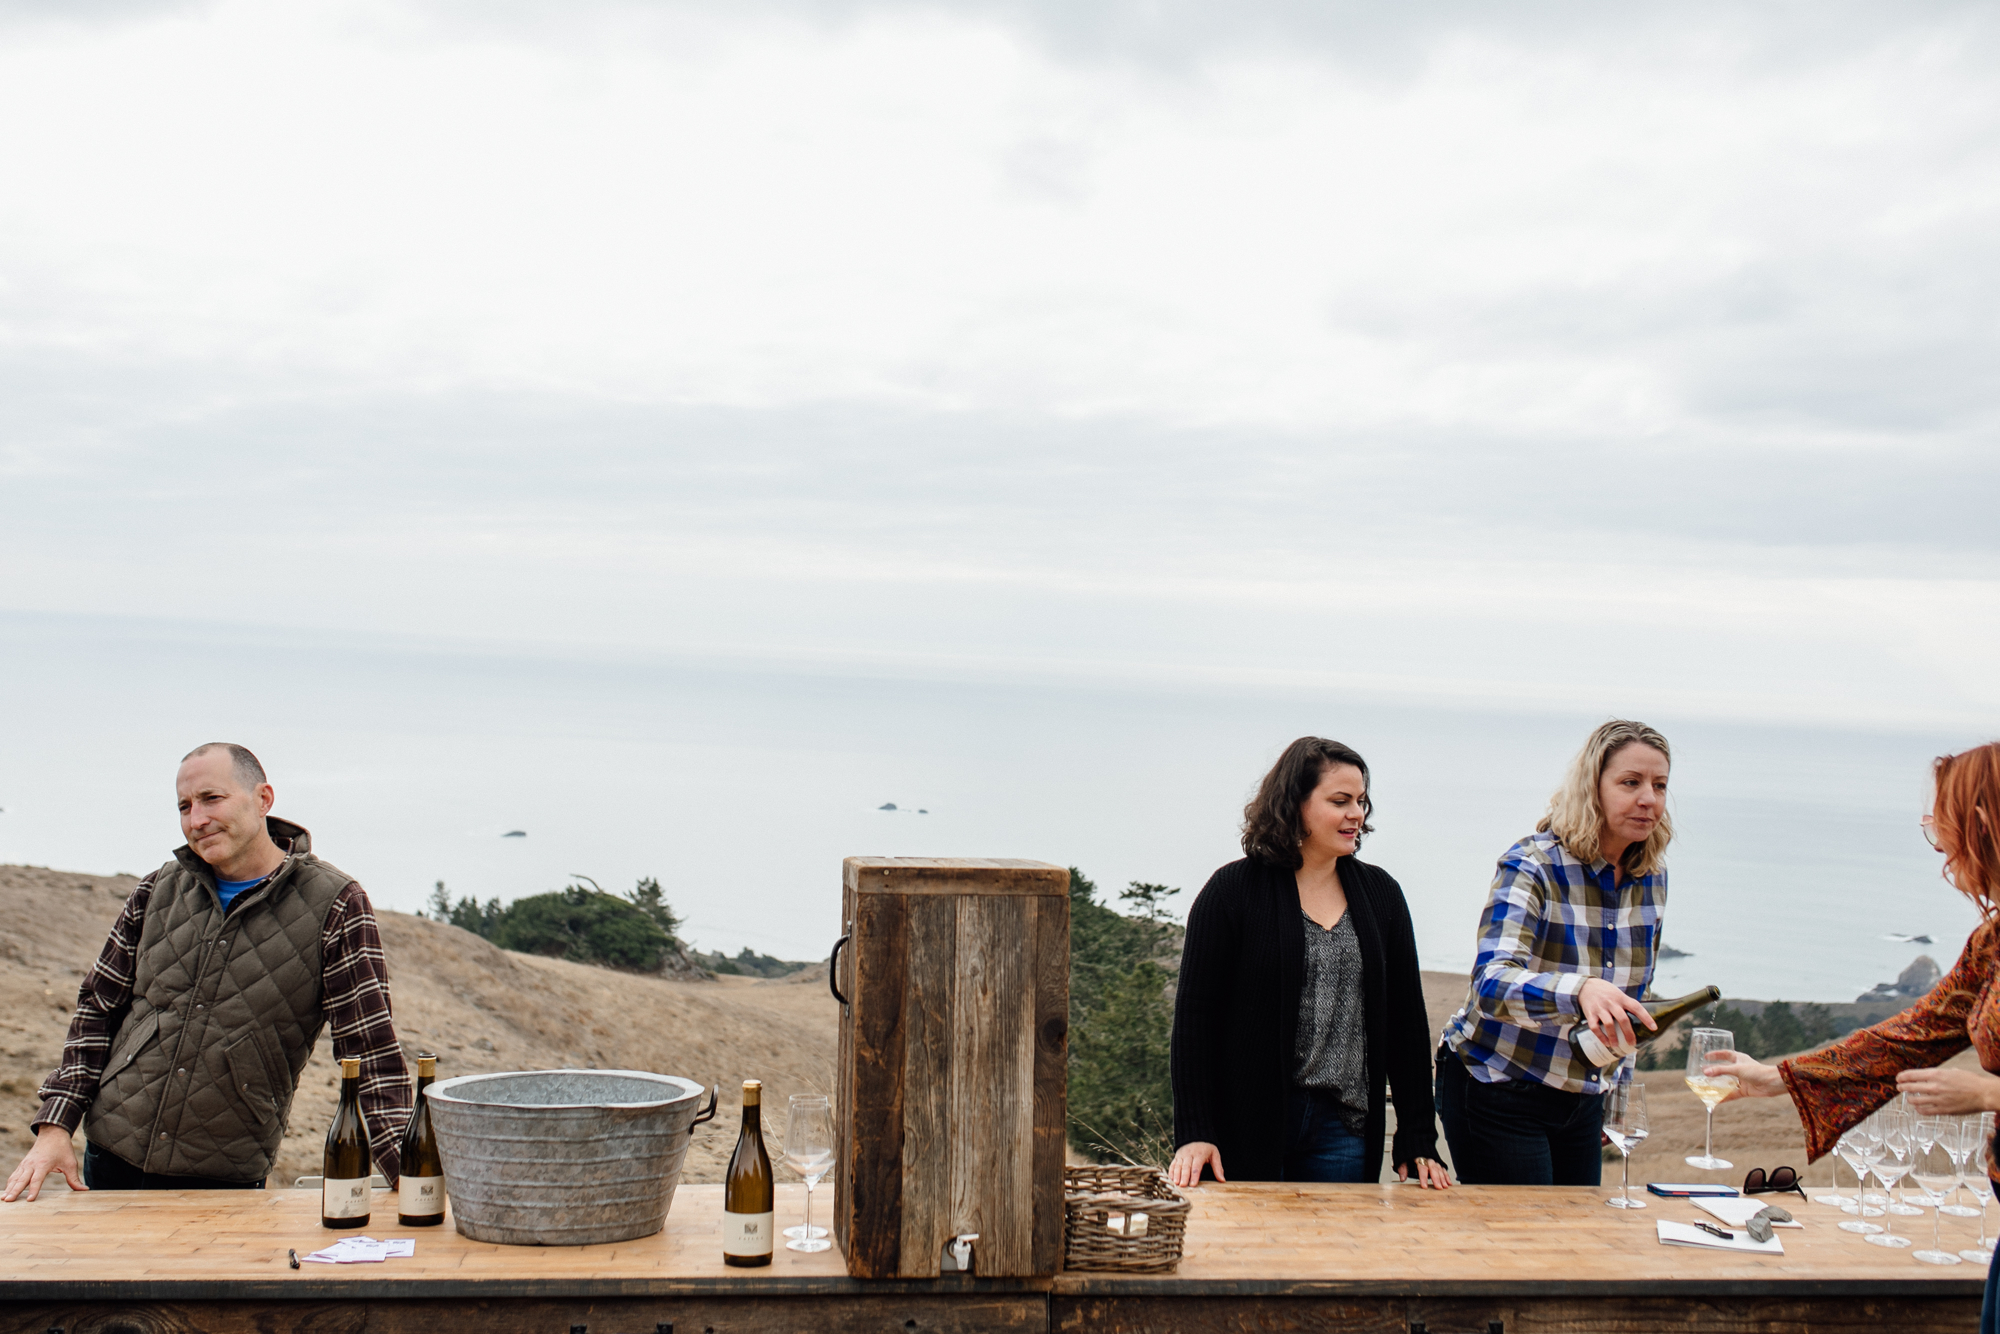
1272	828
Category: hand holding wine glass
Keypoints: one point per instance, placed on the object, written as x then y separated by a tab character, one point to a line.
1754	1079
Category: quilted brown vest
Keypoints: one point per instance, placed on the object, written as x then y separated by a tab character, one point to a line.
225	1012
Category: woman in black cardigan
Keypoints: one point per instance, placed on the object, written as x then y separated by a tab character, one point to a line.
1283	1040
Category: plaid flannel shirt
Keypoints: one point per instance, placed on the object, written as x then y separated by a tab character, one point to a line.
1551	923
354	987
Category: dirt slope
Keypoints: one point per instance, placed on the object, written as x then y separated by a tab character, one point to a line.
480	1008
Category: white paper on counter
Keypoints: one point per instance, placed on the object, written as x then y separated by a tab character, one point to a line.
363	1250
1737	1211
1687	1234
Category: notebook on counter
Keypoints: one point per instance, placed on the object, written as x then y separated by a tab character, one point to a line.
1687	1234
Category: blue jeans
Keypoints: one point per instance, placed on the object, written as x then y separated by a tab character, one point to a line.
1518	1132
1319	1146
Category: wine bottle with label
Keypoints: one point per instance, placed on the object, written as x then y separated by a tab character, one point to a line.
344	1189
748	1189
1598	1053
420	1188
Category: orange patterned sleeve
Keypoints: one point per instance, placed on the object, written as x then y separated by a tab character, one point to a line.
1838	1085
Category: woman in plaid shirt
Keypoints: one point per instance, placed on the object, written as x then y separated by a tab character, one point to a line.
1569	936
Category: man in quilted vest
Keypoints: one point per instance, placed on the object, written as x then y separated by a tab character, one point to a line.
192	1028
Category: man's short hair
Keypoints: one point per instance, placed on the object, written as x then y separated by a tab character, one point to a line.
248	771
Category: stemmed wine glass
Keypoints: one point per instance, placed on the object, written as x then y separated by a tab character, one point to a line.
1833	1195
1852	1149
809	1152
1869	1136
1932	1169
1889	1169
1923	1135
1978	1180
1625	1127
1959	1142
1711	1089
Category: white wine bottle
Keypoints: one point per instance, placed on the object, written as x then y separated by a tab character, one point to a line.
1598	1054
343	1200
747	1189
420	1188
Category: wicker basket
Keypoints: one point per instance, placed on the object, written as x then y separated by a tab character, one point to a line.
1098	1207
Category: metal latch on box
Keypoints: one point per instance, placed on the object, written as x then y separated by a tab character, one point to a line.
957	1258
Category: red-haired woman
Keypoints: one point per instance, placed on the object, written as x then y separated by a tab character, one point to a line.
1838	1085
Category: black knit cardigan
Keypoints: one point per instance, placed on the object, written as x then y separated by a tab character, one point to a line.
1237	1013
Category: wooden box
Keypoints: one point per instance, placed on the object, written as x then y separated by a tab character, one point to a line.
954	1037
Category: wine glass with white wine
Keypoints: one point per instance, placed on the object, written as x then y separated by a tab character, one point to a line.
809	1152
1711	1089
1625	1127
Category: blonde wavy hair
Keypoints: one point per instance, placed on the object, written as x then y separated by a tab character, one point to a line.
1576	816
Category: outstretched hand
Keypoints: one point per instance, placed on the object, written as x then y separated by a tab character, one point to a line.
53	1152
1754	1079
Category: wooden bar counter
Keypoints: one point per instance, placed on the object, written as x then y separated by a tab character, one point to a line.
1354	1259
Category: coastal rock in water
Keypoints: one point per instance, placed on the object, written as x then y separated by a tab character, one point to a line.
1915	981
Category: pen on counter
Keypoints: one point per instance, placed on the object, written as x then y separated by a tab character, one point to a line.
1715	1231
293	1256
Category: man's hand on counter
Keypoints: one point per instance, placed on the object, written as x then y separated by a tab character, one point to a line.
53	1152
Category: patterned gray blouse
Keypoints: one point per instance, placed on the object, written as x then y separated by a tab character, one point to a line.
1332	1045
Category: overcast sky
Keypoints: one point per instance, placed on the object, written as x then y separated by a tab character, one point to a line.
1616	357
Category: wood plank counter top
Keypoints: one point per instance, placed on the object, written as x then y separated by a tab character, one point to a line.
1259	1257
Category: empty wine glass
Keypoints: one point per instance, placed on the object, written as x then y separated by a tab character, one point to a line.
1889	1169
1869	1136
1711	1089
1959	1143
1832	1193
1856	1149
1932	1169
1625	1127
1978	1180
809	1152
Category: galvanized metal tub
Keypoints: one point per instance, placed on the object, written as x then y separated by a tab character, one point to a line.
563	1157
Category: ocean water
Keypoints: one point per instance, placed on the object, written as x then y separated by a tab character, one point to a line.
743	785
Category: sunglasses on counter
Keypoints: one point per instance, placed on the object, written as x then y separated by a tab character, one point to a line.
1777	1182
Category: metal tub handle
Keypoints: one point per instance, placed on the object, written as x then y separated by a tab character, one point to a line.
709	1115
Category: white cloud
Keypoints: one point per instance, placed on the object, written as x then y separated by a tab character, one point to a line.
997	340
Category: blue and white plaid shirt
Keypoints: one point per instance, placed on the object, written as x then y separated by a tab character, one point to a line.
1552	922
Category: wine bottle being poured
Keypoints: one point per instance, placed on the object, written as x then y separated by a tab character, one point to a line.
420	1188
747	1189
345	1170
1599	1053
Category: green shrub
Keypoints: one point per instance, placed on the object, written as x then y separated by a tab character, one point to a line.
584	925
1121	973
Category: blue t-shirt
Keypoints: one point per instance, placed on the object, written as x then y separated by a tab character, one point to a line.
229	889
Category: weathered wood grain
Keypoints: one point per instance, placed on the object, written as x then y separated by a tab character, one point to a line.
927	1065
953	875
992	1082
871	1179
1051	1079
